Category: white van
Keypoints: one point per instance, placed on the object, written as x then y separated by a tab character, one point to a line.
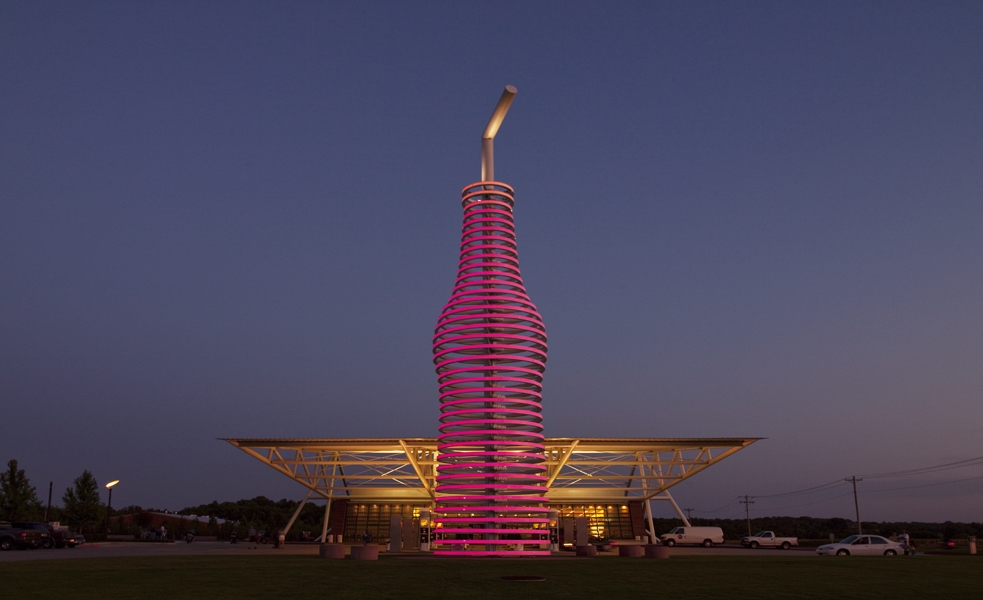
704	536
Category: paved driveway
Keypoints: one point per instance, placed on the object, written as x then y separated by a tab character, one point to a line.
114	549
737	550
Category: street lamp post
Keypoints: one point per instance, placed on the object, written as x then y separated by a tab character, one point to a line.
109	507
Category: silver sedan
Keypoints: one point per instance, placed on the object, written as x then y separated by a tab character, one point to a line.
862	545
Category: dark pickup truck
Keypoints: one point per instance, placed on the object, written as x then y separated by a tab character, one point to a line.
66	537
47	540
15	537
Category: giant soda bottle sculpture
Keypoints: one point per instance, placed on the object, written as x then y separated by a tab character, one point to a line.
489	349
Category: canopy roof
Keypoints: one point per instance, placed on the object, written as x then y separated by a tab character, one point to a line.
402	469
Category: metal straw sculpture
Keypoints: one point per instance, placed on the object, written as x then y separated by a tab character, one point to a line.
490	354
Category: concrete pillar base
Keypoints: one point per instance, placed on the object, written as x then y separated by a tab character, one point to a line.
370	552
656	551
331	551
630	551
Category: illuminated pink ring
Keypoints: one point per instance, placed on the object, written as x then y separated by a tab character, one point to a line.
489	351
504	508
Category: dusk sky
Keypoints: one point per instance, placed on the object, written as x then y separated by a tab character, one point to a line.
737	219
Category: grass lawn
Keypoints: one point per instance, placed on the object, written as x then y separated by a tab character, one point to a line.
679	578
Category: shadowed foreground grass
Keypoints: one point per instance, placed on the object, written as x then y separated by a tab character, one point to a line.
304	577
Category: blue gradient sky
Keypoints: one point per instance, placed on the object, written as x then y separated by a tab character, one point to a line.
738	219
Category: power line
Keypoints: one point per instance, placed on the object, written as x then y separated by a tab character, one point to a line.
813	502
850	493
716	510
817	488
969	462
830	485
959	464
911	487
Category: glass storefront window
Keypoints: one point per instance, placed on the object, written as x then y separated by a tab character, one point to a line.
374	518
606	521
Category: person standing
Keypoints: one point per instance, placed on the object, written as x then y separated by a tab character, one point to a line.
905	540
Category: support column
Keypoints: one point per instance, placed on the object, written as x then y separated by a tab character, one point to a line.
290	523
395	533
676	506
582	531
327	507
640	457
636	512
324	527
338	510
648	519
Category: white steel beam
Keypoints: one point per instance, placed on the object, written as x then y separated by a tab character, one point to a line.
648	503
327	505
300	507
411	456
666	496
562	462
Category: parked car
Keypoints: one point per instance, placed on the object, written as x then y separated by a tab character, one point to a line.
862	545
46	540
704	536
16	537
768	539
66	537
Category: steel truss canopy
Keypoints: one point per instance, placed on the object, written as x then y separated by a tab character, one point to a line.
579	469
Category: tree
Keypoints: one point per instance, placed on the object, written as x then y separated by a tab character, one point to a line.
83	508
18	499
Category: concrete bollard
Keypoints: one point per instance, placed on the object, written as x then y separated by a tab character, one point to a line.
588	550
632	551
331	551
656	551
972	544
370	552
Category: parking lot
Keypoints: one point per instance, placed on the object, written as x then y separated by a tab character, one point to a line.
150	549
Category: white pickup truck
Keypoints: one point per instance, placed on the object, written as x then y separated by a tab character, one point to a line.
768	539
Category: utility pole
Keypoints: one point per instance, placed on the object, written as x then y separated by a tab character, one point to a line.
747	502
48	508
856	504
689	513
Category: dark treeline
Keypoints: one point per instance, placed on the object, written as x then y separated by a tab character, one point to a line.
810	528
262	513
257	513
81	508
